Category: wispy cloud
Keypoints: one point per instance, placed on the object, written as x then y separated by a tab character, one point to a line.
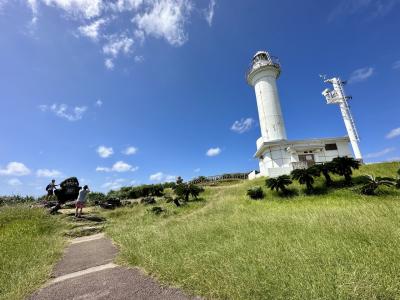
104	151
113	184
380	153
102	20
166	19
119	167
92	30
196	170
396	65
369	9
14	182
242	125
393	133
361	74
63	111
209	13
98	103
161	177
130	150
15	168
213	151
48	173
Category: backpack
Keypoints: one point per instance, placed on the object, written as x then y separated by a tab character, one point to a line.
48	187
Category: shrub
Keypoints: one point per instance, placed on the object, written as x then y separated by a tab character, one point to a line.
255	193
344	166
11	200
305	176
184	190
156	210
95	197
279	184
148	201
373	183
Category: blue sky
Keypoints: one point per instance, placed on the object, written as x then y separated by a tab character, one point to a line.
138	91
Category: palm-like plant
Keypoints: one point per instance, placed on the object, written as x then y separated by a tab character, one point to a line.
372	183
279	183
344	166
305	176
324	169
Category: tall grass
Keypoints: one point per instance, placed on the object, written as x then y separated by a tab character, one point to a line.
337	245
30	242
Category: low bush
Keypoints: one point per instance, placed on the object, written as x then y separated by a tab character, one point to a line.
255	193
12	200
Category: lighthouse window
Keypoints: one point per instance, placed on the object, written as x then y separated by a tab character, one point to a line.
329	147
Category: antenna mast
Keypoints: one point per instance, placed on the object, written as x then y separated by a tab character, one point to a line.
338	96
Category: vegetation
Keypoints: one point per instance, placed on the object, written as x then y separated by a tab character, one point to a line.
338	245
279	184
372	183
305	176
324	169
12	200
135	192
186	190
30	242
256	193
344	166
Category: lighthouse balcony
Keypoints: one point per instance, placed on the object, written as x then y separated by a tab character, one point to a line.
261	61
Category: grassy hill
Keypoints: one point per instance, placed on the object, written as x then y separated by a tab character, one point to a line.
30	243
338	244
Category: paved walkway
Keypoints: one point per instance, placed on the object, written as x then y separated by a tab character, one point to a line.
86	271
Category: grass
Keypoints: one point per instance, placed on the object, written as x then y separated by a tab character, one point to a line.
336	245
30	243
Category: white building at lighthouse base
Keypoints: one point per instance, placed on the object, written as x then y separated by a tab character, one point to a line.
283	156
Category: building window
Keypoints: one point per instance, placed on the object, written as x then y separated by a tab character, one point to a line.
329	147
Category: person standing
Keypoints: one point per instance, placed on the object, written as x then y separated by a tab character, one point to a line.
80	202
50	189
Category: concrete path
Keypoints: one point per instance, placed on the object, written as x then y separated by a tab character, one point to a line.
86	271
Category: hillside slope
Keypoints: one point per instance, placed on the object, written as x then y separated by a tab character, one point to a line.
334	245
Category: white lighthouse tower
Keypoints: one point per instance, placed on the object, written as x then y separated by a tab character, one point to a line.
262	75
276	154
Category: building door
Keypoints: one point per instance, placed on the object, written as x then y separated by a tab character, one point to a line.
307	158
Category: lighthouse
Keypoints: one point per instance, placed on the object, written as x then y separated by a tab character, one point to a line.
262	75
277	155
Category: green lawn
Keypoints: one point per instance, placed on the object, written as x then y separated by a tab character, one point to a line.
30	243
338	245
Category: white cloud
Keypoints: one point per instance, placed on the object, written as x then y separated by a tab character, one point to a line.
361	74
15	169
213	152
126	5
114	184
98	103
196	170
367	8
243	125
161	177
166	19
104	151
393	133
100	20
396	65
109	63
78	8
130	151
380	153
117	45
48	173
119	167
92	30
63	111
209	13
14	182
139	58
